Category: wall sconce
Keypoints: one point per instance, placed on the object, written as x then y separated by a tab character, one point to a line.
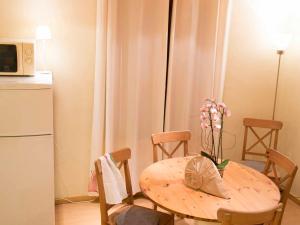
42	34
281	43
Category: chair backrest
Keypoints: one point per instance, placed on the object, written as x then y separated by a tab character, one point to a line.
268	217
159	139
271	135
120	157
278	163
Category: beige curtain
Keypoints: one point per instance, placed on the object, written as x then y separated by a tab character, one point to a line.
197	62
129	78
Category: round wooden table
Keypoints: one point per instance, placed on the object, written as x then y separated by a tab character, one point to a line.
250	191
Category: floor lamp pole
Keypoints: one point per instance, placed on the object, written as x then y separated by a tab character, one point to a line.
280	53
167	64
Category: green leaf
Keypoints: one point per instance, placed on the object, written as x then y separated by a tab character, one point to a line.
223	164
205	154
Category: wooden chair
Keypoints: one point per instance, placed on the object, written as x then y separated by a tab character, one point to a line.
271	135
277	164
182	137
269	217
110	212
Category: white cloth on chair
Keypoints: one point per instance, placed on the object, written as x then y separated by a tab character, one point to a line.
113	181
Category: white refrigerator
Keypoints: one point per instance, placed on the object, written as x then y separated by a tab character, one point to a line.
26	151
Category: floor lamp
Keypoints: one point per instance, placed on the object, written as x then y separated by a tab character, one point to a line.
282	42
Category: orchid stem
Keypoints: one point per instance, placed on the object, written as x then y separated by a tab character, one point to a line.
213	153
220	150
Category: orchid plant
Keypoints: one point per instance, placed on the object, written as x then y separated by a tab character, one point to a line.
212	121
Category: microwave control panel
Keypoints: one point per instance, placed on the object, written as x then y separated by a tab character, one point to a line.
28	59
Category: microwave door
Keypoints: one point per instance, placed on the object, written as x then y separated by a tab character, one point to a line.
10	59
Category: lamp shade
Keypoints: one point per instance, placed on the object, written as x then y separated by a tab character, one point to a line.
43	33
282	41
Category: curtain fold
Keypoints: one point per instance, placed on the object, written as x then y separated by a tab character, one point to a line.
196	66
130	76
129	79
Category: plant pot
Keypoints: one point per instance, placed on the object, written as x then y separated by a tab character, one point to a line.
221	172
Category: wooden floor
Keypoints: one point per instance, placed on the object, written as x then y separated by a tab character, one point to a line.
89	214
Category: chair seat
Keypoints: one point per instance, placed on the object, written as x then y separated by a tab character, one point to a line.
257	165
138	215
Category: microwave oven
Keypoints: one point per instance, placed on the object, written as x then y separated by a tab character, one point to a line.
16	58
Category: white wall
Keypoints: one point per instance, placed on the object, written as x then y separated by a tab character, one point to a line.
251	73
71	58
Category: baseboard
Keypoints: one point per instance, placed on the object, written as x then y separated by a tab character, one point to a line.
295	199
84	198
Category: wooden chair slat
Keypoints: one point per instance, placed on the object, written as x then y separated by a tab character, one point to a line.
164	150
283	179
168	137
172	136
120	165
259	139
271	124
275	174
230	217
245	143
121	155
271	138
275	139
175	149
281	160
256	153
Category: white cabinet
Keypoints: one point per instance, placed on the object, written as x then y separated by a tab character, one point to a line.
26	112
26	151
26	190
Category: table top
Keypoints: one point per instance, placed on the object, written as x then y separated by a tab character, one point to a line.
250	191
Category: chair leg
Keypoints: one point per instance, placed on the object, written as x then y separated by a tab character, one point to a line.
173	222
